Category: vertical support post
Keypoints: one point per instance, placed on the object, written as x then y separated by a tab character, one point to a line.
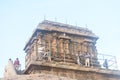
36	55
64	50
57	48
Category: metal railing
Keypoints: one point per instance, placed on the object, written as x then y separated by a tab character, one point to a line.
111	60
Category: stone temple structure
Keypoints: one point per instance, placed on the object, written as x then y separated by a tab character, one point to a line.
64	41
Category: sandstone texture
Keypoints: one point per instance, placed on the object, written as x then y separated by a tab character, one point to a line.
36	77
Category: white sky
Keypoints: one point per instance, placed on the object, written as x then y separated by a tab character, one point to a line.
18	18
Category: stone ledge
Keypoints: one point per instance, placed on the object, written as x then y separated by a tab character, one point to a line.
72	66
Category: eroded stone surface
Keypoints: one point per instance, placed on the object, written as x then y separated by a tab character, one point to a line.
36	77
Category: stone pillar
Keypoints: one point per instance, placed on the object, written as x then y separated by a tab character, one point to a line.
81	48
54	46
34	51
75	48
72	48
90	50
61	45
28	57
66	46
57	46
84	47
38	45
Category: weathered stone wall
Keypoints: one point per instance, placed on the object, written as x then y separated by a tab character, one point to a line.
65	41
66	46
74	71
54	77
81	75
36	77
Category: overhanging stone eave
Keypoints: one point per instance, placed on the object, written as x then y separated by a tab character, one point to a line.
82	35
32	36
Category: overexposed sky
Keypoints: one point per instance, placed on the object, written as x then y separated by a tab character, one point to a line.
18	19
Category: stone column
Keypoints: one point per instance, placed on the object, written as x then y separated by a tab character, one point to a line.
90	50
75	48
81	48
28	57
57	46
84	47
54	46
61	45
71	49
35	50
66	46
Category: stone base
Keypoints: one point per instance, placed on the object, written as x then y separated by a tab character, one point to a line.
72	71
36	77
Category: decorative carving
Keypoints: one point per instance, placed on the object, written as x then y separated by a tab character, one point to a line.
54	46
64	42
